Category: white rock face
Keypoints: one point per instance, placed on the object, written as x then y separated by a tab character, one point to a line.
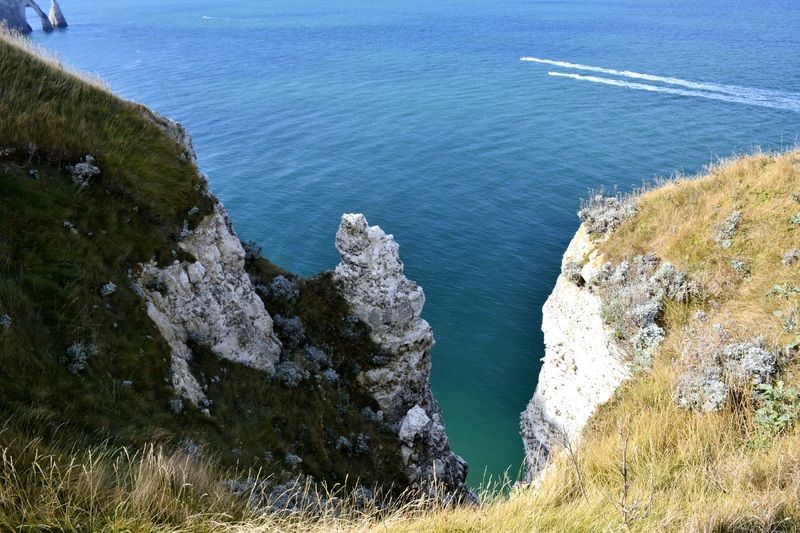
413	424
371	274
210	300
373	283
12	14
56	16
581	368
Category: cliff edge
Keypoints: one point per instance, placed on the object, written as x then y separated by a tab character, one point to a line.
582	366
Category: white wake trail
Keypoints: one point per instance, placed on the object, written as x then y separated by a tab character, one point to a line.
735	90
790	106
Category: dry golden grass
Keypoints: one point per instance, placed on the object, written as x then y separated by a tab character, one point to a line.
678	222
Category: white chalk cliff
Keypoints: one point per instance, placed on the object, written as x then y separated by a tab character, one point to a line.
209	301
582	366
12	15
56	16
374	284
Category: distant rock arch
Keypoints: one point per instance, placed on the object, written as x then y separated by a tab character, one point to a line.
12	15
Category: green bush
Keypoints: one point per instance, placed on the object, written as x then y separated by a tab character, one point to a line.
780	406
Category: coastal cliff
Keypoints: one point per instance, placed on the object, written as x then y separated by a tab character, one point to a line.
582	367
373	282
159	324
12	15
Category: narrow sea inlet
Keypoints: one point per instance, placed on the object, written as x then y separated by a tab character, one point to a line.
422	116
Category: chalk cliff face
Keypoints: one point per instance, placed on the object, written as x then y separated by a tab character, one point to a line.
56	16
210	300
582	366
12	14
373	283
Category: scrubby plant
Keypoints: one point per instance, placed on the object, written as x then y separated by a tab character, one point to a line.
572	271
330	375
184	232
176	405
252	250
779	406
290	330
292	461
108	289
738	266
83	172
727	229
602	214
711	365
749	362
284	288
291	374
633	296
343	445
317	356
791	257
77	356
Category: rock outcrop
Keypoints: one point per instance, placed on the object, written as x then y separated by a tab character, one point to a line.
582	366
56	16
210	300
373	283
12	15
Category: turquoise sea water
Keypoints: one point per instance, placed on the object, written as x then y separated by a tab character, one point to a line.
422	116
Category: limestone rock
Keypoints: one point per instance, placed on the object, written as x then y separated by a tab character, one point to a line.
372	281
56	16
12	14
582	366
413	424
212	302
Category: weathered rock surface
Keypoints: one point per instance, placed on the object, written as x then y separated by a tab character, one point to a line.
582	366
12	14
373	283
209	301
56	16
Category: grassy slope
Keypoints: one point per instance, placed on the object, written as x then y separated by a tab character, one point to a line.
50	280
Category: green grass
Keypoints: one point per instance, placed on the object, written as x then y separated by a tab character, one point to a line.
50	280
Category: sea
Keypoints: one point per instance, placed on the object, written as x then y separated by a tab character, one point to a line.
470	130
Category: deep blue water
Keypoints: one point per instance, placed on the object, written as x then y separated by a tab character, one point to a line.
422	116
